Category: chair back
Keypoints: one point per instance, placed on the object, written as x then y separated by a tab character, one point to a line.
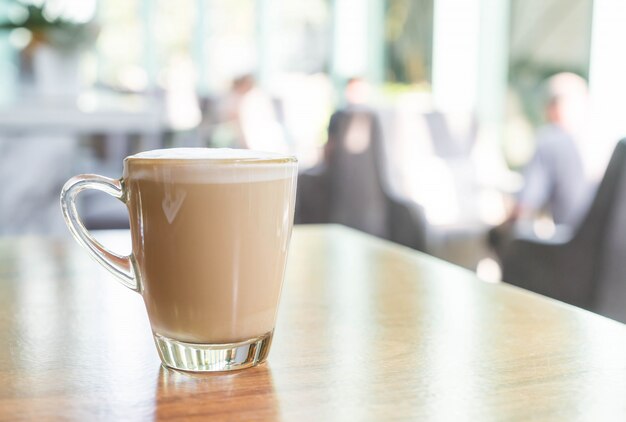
604	233
587	270
350	187
354	154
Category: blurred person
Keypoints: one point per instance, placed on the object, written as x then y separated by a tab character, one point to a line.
555	181
230	111
356	94
252	117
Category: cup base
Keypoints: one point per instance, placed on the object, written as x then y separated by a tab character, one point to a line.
197	357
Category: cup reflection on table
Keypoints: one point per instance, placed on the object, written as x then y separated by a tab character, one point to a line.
210	231
241	395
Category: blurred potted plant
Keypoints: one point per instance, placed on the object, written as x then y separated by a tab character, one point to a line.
56	36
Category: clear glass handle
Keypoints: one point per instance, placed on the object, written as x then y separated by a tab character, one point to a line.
120	265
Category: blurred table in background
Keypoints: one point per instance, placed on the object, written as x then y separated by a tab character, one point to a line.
56	138
115	116
367	330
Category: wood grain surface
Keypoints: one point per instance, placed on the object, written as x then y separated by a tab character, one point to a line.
367	331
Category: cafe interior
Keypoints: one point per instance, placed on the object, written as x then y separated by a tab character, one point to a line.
445	103
484	133
451	98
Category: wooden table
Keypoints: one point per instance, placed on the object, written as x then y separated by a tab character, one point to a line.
367	331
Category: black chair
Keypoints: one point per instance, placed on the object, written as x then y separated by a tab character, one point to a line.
350	187
588	267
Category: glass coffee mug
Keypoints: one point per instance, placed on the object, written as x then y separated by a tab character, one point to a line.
210	232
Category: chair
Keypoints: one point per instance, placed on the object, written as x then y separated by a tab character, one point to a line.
350	189
588	267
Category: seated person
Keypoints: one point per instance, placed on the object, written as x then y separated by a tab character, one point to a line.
554	180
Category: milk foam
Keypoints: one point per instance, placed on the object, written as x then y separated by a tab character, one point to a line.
209	165
209	154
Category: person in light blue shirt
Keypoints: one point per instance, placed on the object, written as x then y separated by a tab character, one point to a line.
554	180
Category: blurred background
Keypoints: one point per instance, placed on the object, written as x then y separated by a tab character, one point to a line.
478	131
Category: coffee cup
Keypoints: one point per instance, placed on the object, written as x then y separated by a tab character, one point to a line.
210	231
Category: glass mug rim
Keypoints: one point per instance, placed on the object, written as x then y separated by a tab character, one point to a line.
246	157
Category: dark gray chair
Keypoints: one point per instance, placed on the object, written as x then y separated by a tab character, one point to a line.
586	268
350	189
